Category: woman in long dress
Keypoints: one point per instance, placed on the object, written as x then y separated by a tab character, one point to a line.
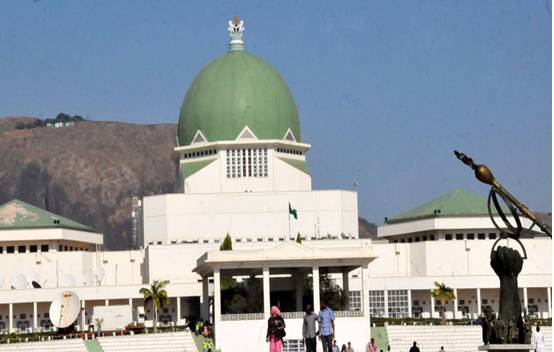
275	330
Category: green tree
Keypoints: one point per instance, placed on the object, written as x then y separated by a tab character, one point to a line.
442	293
157	295
227	244
299	238
332	294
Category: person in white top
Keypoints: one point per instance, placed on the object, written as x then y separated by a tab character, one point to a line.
537	340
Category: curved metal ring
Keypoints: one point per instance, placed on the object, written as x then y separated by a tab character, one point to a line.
515	239
513	232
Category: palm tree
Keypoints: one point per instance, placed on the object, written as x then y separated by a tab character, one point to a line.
157	295
442	293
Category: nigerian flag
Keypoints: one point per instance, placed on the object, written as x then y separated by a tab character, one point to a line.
292	212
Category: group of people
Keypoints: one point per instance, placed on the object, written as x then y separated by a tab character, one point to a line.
314	326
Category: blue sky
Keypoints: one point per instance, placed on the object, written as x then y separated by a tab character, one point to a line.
385	90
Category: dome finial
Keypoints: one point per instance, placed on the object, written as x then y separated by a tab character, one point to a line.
236	27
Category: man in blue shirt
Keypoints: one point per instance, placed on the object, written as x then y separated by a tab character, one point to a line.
326	327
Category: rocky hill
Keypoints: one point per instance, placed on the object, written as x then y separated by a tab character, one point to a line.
90	171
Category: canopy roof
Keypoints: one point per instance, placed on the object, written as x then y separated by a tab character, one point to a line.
20	215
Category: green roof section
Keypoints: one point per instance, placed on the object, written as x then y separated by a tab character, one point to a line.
16	215
299	164
455	203
233	91
187	169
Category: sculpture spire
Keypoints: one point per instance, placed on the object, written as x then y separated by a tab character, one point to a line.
236	28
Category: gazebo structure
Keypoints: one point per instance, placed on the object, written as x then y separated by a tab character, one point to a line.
287	272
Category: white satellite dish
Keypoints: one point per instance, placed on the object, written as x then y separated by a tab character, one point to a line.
67	280
18	282
64	309
99	275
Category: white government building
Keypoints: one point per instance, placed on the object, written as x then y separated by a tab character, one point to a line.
242	166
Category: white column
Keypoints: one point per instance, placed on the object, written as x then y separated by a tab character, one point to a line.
83	305
178	310
131	302
315	285
478	301
432	300
205	299
548	297
386	302
525	300
455	314
299	279
267	292
409	303
10	314
35	325
106	302
365	291
217	307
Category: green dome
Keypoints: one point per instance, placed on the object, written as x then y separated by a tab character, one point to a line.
236	90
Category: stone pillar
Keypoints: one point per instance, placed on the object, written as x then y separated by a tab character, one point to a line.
478	301
267	292
106	302
345	283
10	315
455	313
217	305
83	310
35	324
205	299
386	302
131	302
525	300
409	303
365	291
432	300
315	280
299	281
548	297
178	300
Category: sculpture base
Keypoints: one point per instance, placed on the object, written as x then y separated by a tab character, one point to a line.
508	347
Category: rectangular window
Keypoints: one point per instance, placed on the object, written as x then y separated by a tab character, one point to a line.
250	162
21	249
376	303
492	236
10	249
44	248
448	237
398	303
481	236
470	236
459	236
1	249
355	300
33	248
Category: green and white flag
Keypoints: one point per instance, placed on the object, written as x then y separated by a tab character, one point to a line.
292	212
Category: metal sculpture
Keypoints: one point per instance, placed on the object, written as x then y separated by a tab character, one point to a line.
510	327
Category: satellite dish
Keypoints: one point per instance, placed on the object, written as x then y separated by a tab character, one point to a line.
64	309
99	275
67	280
34	279
18	282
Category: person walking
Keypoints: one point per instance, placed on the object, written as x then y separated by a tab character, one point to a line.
309	332
372	346
414	347
537	340
349	347
275	330
326	327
